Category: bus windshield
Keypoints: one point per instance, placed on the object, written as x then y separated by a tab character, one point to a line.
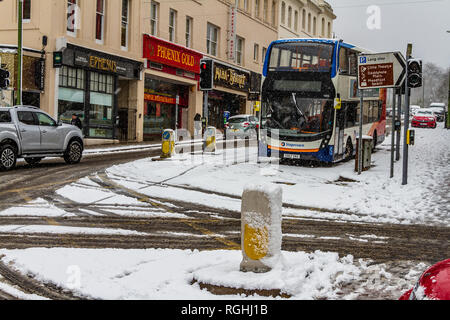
295	117
301	57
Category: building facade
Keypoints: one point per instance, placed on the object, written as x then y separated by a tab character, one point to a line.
130	68
98	74
305	19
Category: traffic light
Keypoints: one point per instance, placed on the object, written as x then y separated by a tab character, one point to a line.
414	73
206	74
4	79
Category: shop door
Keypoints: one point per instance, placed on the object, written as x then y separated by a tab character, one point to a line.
131	125
123	125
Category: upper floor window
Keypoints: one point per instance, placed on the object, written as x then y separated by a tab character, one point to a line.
257	4
125	24
72	16
274	12
256	52
189	25
264	52
296	20
154	12
314	26
304	19
283	13
26	9
246	5
100	20
290	17
266	10
239	50
212	35
172	25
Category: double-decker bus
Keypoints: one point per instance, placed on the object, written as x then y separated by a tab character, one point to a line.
301	117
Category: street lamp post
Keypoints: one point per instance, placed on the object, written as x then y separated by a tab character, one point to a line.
19	53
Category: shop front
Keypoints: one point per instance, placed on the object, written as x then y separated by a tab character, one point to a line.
32	77
170	93
232	94
94	85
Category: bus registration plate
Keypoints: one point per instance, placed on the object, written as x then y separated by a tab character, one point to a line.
292	156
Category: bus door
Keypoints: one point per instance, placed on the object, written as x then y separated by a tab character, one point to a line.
339	134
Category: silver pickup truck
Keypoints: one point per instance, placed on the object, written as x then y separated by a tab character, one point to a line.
29	133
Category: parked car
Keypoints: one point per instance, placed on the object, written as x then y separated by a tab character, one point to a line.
29	133
241	126
413	109
433	284
439	110
424	118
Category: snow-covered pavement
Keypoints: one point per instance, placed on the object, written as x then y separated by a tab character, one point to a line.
218	181
159	274
147	189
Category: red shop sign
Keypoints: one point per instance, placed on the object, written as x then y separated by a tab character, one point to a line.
170	54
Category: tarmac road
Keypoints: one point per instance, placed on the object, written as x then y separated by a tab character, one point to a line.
206	228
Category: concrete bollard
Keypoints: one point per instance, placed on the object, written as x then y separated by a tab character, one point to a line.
210	142
261	234
168	144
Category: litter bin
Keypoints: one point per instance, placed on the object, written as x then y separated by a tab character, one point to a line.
366	153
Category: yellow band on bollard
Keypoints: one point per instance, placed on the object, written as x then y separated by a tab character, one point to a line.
256	242
166	147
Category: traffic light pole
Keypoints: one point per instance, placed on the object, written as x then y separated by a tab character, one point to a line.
19	53
405	133
393	134
205	110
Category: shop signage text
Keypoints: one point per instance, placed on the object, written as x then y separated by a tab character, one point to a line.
166	53
106	63
230	77
102	64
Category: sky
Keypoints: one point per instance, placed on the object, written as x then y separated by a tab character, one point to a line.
421	22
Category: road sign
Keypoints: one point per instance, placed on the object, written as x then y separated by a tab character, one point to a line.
381	70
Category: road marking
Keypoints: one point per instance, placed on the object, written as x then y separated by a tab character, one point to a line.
52	222
50	184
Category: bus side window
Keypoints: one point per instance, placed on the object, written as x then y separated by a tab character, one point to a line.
343	61
353	63
351	114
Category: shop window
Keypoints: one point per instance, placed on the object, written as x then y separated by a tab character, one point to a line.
154	13
100	20
71	78
125	23
212	39
101	83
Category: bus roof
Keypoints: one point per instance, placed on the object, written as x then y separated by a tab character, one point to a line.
334	42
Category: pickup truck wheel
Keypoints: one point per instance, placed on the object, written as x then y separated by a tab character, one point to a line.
73	153
33	161
8	157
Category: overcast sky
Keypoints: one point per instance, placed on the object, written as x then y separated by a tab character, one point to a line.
421	22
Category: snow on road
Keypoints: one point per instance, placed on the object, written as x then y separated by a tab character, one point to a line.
372	197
